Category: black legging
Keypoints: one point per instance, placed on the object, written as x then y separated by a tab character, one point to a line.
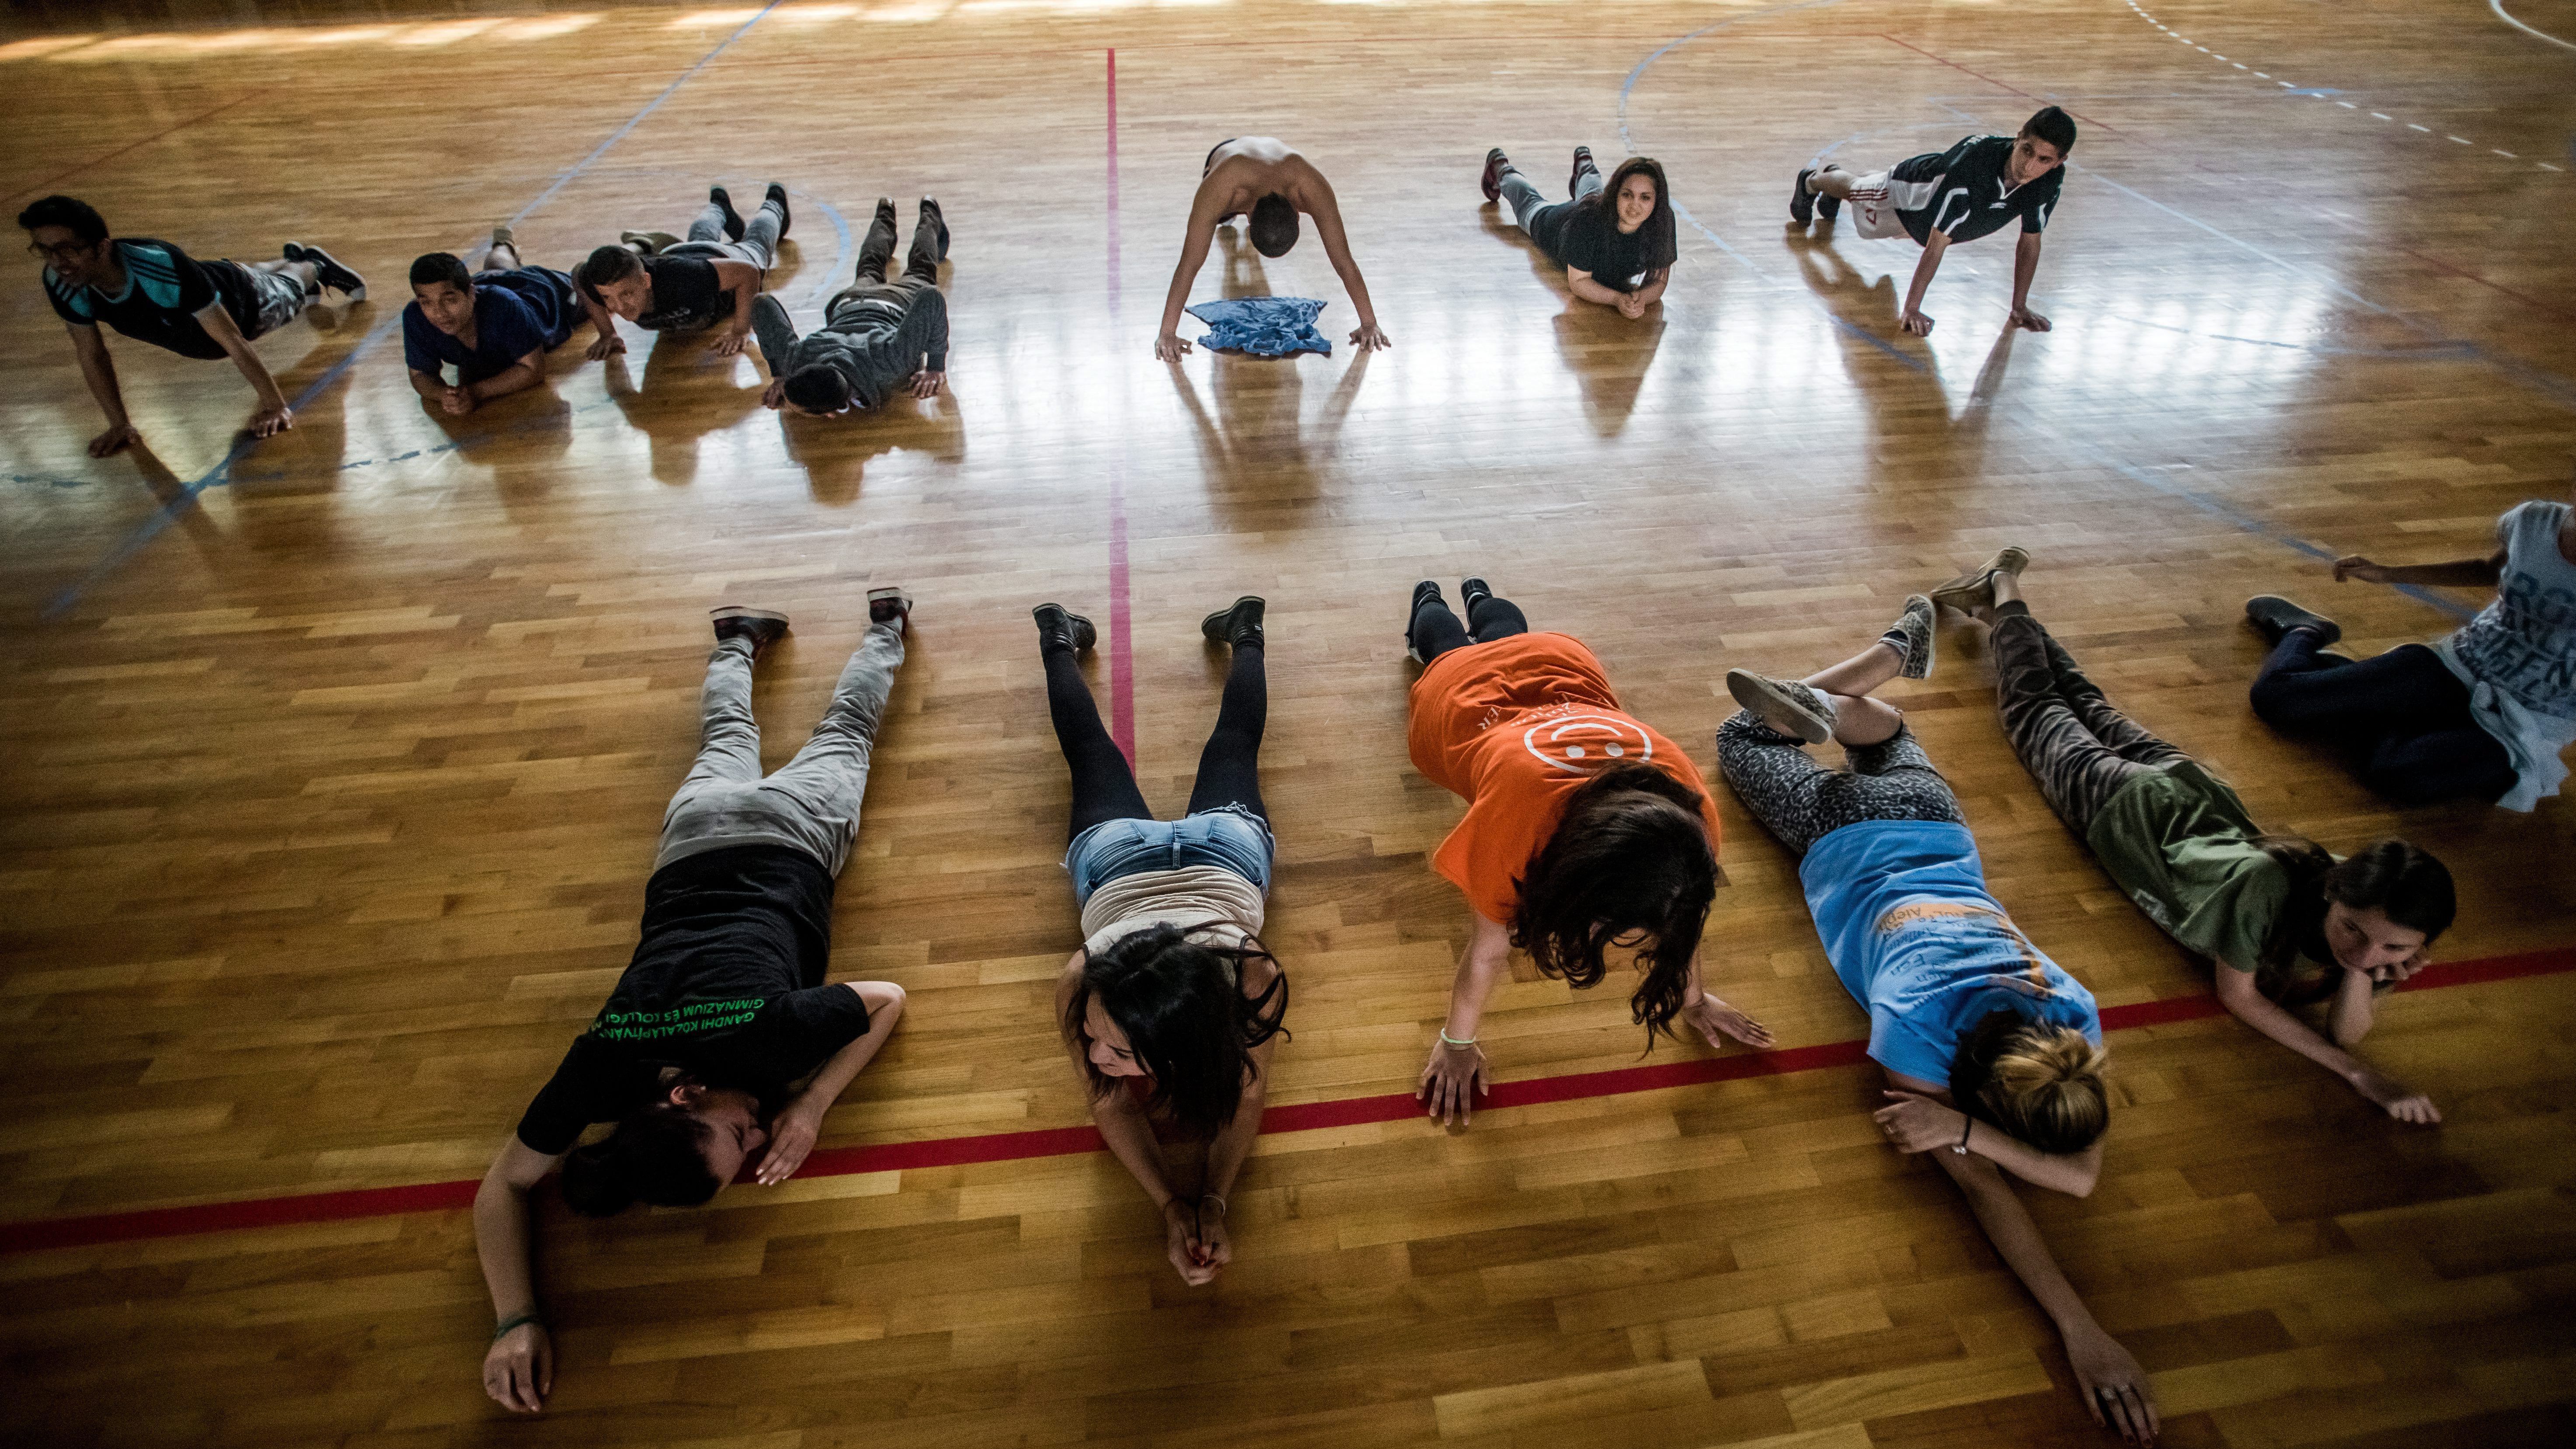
2403	714
1104	788
1435	631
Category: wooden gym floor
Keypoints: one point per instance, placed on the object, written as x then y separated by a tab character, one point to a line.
332	767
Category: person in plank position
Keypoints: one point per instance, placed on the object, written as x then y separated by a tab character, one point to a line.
491	328
1993	1054
664	283
1615	239
2288	925
1587	834
153	292
877	338
2485	713
698	1054
1957	195
1263	179
1172	993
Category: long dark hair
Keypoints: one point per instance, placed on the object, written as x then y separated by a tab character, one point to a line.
2406	882
2042	1084
1187	1021
1630	854
657	1155
1657	234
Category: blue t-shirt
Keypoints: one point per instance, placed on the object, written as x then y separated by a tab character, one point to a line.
1906	920
515	313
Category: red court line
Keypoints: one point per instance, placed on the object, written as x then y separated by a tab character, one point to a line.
121	150
321	1207
1122	649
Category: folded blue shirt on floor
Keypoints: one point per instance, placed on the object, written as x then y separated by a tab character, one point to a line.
1263	326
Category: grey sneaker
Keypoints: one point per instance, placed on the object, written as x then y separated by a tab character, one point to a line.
650	243
1977	585
1785	705
2273	616
1915	627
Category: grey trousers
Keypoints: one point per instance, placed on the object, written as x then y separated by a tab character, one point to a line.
1522	195
812	803
759	244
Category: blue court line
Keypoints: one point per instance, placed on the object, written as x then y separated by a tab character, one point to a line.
221	473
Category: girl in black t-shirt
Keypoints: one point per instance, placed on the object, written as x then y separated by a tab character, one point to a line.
1615	241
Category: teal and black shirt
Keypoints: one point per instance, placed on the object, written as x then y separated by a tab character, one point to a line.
727	985
165	289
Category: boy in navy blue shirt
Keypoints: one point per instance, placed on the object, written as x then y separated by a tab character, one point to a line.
470	337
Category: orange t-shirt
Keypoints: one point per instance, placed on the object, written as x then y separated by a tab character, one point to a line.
1515	727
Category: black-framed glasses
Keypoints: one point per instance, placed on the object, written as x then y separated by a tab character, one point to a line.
60	253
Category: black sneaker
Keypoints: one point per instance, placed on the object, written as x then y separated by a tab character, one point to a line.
2273	616
1496	163
328	272
776	196
1237	625
890	606
1470	590
763	627
885	212
1059	629
931	213
1828	205
1802	202
1425	592
1582	163
733	227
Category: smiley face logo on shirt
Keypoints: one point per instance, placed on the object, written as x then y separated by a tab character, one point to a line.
1585	744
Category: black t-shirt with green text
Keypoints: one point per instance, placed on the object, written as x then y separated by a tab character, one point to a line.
727	986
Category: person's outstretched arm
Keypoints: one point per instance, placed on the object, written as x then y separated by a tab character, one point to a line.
2025	269
743	280
603	322
273	416
1715	1019
2465	573
792	1133
1919	1117
1204	207
99	371
1913	318
777	346
519	1368
1455	1075
1214	1240
1326	209
2237	992
2114	1386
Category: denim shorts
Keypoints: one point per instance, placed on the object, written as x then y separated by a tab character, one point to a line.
1228	836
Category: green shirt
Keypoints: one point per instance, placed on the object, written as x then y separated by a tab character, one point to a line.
2178	840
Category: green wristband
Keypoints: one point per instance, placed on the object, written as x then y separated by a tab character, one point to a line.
516	1320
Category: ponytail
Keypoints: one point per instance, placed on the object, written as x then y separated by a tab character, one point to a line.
657	1155
2042	1084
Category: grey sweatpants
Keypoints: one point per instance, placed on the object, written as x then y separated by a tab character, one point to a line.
812	803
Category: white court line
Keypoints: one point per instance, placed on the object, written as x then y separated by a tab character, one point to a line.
2498	7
